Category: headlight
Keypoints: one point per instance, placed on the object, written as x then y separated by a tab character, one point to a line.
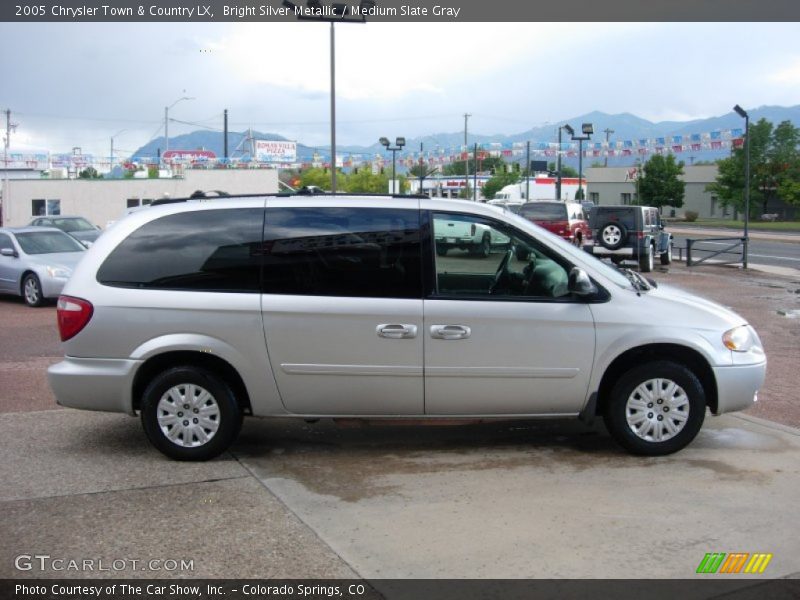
738	339
58	272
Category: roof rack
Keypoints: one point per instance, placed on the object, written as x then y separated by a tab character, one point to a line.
200	195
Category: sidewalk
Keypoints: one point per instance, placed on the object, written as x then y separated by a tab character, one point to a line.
772	236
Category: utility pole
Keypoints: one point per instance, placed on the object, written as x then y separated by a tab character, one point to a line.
466	160
475	179
225	136
528	173
422	168
608	132
6	143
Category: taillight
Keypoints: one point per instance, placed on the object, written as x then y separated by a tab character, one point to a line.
73	315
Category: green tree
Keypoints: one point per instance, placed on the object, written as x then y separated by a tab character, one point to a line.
774	168
489	163
566	171
89	173
316	176
660	184
498	182
366	182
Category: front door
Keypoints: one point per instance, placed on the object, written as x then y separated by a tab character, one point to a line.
503	335
342	307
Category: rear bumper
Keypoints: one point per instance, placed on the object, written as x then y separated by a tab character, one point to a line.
602	251
94	383
737	386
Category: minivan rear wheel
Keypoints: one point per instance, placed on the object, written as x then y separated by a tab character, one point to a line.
656	408
190	414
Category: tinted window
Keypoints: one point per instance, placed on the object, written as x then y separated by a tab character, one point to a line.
544	211
342	252
5	242
70	225
209	250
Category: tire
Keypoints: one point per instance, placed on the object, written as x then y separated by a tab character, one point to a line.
32	290
204	394
646	261
441	250
666	257
635	404
613	235
485	248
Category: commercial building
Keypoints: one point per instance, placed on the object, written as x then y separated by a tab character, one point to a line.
102	201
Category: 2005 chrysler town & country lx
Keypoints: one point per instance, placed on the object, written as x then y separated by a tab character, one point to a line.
193	313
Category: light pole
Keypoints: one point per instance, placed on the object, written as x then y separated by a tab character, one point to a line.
338	11
570	131
166	121
398	145
111	160
741	112
587	129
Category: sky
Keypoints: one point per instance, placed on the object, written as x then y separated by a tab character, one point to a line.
78	84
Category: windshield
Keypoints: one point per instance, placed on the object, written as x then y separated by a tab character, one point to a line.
544	211
70	225
573	253
48	242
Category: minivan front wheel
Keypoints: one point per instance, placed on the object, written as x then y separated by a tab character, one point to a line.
190	414
656	408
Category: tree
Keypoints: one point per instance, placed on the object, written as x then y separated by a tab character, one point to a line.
316	176
366	182
498	182
89	173
488	163
566	171
660	183
774	168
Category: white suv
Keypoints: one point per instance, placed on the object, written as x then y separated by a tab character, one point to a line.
194	313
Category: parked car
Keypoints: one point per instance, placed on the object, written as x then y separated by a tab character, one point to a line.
630	233
77	227
193	314
565	219
475	238
35	262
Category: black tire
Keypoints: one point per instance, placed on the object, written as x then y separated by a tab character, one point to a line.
666	257
484	249
613	235
228	414
690	405
441	250
32	290
646	261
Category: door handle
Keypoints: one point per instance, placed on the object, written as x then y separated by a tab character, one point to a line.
450	332
396	331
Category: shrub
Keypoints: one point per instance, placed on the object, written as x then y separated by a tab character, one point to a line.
690	215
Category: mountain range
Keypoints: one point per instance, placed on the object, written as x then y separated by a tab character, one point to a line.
625	126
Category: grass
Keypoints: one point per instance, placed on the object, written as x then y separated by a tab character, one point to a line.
731	224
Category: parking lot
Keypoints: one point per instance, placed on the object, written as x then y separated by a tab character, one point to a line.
492	500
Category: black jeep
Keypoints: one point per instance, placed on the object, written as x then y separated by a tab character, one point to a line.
629	233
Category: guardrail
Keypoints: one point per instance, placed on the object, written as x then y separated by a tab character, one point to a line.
736	243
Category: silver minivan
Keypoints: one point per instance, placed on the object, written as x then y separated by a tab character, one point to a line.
194	313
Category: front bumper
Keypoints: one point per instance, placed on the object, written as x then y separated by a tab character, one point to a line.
94	383
737	386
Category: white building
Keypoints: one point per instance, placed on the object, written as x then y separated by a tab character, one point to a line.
104	200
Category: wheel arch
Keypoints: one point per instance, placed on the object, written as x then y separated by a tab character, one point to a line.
210	362
23	276
683	355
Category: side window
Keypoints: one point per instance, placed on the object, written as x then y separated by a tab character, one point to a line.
5	242
353	252
478	258
207	250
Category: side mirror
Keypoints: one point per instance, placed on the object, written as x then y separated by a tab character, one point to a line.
8	252
580	284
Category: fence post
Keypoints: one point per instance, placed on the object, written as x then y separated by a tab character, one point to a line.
689	252
744	248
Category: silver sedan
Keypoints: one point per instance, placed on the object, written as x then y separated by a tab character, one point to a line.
35	262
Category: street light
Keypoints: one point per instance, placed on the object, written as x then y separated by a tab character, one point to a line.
398	145
339	12
166	121
111	161
570	131
587	131
741	112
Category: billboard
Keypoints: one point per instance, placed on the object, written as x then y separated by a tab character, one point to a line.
189	155
276	151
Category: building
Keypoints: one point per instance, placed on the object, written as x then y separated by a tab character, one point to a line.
617	185
102	201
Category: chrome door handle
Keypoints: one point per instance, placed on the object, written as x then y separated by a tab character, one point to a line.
450	332
396	331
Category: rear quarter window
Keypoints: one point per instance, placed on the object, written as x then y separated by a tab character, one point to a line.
208	250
